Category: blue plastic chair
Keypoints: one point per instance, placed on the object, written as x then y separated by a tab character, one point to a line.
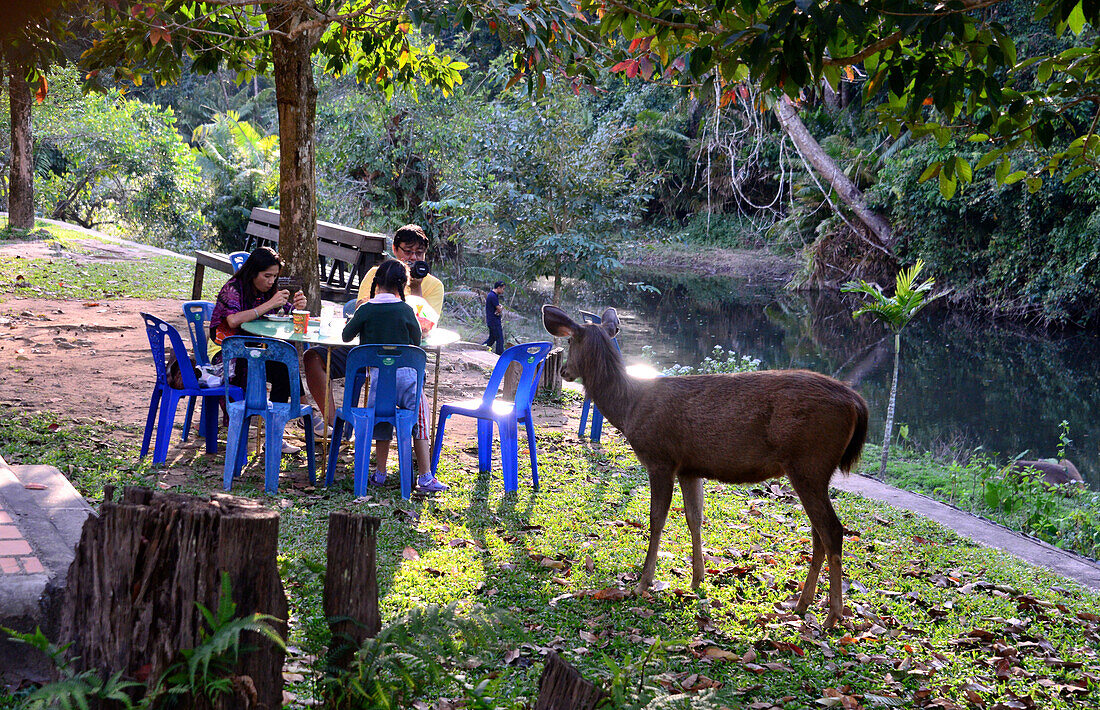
237	259
198	315
388	359
597	417
507	415
256	352
165	399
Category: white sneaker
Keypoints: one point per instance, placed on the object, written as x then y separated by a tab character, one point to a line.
290	448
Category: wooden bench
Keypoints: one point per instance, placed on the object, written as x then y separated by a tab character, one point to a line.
344	255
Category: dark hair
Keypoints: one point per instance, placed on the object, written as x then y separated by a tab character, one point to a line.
391	275
498	284
262	259
410	233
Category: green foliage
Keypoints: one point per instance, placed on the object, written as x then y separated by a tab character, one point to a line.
242	168
1065	516
121	165
556	183
1032	256
380	161
724	231
72	689
205	671
71	269
422	649
90	455
1063	438
897	310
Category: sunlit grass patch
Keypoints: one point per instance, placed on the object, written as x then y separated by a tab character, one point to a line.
930	616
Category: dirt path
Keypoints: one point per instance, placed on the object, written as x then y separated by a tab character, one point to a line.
90	359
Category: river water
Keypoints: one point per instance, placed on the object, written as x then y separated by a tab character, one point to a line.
963	383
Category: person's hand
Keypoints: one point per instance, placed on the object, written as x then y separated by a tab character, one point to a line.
299	300
278	300
500	310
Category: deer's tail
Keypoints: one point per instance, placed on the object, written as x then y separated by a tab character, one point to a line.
859	436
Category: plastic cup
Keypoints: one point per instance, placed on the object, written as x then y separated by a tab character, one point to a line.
301	321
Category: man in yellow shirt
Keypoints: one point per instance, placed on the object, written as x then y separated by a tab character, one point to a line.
410	245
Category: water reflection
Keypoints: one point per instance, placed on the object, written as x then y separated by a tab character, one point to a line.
961	380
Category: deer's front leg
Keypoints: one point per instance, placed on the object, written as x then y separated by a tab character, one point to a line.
660	497
692	489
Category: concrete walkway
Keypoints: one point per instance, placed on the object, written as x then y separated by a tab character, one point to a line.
41	517
980	530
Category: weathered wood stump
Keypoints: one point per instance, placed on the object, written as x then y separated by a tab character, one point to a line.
550	381
561	687
351	581
144	563
511	381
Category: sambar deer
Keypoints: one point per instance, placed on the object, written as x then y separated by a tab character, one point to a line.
735	428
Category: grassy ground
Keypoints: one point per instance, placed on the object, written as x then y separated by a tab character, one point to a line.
58	277
934	620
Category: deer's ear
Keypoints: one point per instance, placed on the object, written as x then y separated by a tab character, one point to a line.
557	323
610	322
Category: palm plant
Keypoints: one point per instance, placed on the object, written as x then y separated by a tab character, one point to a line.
896	311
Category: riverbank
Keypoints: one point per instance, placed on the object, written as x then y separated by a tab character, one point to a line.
757	265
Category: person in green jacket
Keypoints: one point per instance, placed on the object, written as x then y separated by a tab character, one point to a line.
387	319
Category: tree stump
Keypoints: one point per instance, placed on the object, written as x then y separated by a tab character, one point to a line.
550	382
140	568
561	687
511	381
351	581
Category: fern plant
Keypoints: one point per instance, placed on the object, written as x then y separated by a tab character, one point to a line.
73	689
427	647
205	671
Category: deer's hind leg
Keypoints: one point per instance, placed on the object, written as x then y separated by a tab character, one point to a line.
692	489
828	536
660	497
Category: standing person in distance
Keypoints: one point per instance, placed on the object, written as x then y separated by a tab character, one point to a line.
493	311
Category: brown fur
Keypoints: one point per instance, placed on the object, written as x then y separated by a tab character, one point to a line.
1063	473
737	428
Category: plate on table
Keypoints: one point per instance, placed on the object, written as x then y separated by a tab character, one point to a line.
279	319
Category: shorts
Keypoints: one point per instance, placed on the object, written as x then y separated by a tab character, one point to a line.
339	358
406	399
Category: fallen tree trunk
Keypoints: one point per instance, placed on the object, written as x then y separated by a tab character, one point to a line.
831	173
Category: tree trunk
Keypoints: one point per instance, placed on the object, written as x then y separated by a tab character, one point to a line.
351	583
561	687
142	566
21	175
557	283
296	96
830	172
890	409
